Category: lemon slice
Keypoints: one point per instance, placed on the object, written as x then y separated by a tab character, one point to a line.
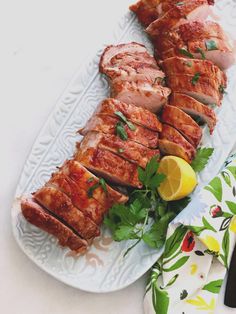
180	178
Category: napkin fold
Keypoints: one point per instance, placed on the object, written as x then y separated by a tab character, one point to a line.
198	249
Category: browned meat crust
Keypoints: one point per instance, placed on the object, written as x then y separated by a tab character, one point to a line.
40	218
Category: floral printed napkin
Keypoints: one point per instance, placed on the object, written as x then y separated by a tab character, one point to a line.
198	249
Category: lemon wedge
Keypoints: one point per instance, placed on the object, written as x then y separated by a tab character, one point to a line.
180	178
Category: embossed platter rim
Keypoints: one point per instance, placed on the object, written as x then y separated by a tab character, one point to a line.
102	269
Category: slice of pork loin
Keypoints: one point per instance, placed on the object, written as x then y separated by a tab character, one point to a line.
85	180
135	72
79	197
173	142
183	123
61	206
39	217
146	11
137	115
201	91
107	124
141	93
177	65
108	165
197	38
131	50
128	150
193	107
179	14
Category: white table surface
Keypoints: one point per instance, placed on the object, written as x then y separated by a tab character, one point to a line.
42	44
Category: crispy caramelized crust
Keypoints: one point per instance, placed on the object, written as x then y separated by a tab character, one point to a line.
183	123
146	11
172	142
85	180
129	150
205	90
177	15
194	37
108	165
141	94
60	204
106	124
40	218
79	197
149	10
193	107
177	65
133	113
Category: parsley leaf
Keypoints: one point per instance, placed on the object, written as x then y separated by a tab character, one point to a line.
222	89
120	131
201	158
202	53
186	53
123	118
195	78
150	177
101	183
211	45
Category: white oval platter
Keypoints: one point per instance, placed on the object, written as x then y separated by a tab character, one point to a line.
103	268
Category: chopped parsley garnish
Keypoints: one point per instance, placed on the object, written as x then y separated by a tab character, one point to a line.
91	179
222	89
120	131
124	119
120	150
211	45
186	53
201	52
179	3
188	63
100	183
195	79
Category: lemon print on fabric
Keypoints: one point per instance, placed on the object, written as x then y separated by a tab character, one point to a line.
193	268
232	226
211	243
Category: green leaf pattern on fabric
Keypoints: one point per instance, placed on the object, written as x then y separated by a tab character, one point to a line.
213	286
214	233
215	187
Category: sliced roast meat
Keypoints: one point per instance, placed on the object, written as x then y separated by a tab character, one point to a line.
85	180
175	15
146	11
132	49
108	125
129	150
141	93
202	89
205	68
108	165
183	123
135	72
79	197
61	206
193	107
196	39
173	142
39	217
137	115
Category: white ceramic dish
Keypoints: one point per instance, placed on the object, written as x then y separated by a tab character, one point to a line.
103	268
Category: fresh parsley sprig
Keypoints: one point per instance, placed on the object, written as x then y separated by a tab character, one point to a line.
201	159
